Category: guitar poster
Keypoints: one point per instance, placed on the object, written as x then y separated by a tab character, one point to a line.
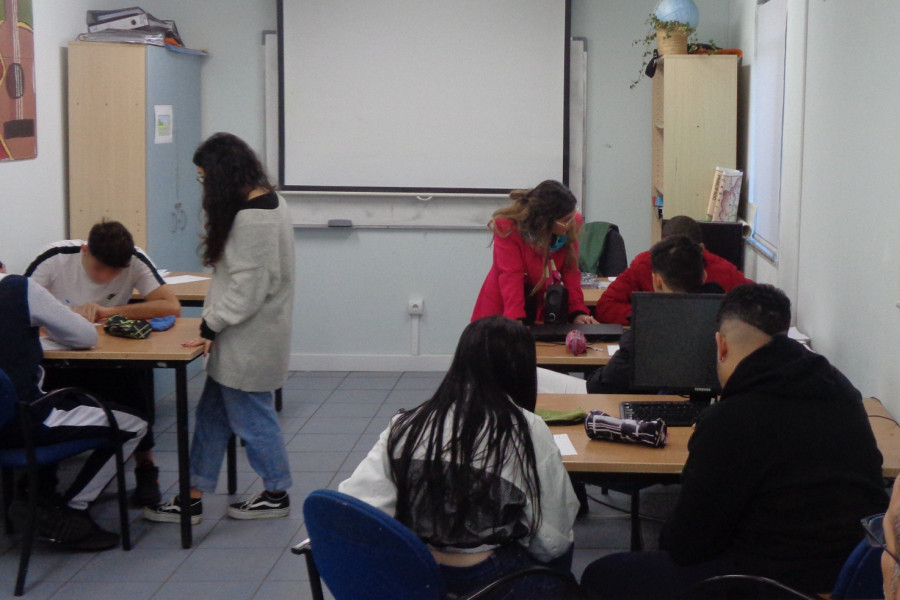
18	135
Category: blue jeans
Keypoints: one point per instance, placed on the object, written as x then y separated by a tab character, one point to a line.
508	559
249	415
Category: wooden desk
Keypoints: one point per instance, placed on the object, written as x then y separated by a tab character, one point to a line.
636	466
592	295
554	356
162	349
189	294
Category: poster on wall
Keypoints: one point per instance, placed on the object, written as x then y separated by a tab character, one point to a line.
18	135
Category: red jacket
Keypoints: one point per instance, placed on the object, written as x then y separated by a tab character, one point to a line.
614	305
503	291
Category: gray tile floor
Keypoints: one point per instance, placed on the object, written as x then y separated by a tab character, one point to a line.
329	421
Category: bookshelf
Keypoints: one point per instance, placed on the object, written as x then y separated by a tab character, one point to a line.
694	130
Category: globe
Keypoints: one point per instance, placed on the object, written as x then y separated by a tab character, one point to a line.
683	11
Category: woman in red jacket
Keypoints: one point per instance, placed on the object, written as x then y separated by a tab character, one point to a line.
535	246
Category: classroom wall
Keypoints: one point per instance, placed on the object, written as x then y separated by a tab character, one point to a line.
617	187
849	261
34	191
838	218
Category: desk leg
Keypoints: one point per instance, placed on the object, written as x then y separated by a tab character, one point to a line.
231	453
279	403
184	468
637	540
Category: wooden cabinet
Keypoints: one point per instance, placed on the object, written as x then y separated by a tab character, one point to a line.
694	128
116	170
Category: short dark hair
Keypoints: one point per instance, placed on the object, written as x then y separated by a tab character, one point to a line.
682	225
758	304
111	243
679	261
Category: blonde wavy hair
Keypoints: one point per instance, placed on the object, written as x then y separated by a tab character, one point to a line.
535	212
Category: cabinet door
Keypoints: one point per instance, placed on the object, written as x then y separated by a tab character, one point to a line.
174	220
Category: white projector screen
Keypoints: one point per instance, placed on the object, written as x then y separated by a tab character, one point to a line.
422	96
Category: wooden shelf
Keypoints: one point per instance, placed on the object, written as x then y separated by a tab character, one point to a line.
694	129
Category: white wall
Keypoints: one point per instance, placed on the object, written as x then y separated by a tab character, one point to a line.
34	191
841	253
850	248
617	160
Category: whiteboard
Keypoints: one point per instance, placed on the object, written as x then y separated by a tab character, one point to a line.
422	96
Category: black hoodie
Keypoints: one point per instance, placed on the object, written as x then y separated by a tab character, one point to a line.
779	472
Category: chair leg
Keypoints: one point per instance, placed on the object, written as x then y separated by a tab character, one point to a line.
29	533
124	526
279	403
7	482
231	453
315	581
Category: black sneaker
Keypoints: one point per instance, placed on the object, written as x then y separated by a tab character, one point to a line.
66	527
55	524
261	506
146	492
170	512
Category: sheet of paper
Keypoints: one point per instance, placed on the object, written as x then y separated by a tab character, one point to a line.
164	119
183	279
564	444
612	348
48	344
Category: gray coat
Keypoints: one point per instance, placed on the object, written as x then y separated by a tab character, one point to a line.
250	302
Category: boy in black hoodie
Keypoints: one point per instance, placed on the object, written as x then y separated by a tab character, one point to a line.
779	474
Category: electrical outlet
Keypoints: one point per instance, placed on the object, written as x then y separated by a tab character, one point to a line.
416	306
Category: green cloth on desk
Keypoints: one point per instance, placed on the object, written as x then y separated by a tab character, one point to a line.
561	417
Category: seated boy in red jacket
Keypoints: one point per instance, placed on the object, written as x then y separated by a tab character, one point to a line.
614	305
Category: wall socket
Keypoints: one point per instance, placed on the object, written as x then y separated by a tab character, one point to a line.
416	306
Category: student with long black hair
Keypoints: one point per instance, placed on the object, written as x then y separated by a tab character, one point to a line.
474	472
246	329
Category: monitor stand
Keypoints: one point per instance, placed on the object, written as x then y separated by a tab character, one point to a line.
704	398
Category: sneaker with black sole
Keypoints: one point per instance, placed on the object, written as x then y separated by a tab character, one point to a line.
261	506
146	492
170	512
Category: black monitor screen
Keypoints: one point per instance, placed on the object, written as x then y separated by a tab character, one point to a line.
675	342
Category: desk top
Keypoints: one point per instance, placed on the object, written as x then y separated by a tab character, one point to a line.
161	345
611	457
592	295
555	353
194	291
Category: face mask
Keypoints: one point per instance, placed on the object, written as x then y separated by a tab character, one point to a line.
557	242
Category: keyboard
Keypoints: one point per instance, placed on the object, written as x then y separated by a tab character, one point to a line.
675	414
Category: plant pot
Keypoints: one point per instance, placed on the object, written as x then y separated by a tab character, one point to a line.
671	42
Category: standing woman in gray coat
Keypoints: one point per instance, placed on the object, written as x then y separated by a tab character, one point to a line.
246	329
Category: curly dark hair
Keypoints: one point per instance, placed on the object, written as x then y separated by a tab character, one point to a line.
758	304
231	171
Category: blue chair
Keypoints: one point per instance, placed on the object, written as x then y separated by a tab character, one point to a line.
860	578
361	552
30	457
861	575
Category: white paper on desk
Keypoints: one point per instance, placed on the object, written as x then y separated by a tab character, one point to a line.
564	444
612	348
48	344
183	279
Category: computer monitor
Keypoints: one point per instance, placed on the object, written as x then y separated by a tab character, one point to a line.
675	343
